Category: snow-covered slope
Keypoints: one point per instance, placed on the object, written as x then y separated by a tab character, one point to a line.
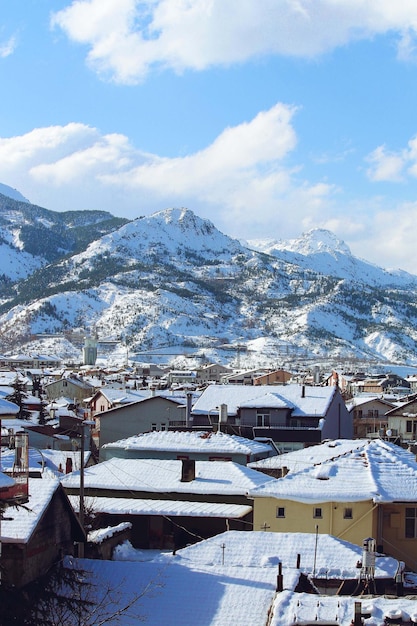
10	192
173	281
321	251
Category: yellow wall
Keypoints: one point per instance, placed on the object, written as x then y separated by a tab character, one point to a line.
393	534
300	518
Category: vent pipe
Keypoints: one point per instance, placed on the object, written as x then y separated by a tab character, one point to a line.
303	391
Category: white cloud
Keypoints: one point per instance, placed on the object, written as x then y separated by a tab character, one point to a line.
245	182
385	166
387	236
8	47
245	171
126	38
391	166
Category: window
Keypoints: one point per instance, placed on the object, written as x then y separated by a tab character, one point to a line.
280	511
317	512
409	426
347	513
410	522
263	418
153	427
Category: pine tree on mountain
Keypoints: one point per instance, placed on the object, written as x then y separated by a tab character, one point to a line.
18	396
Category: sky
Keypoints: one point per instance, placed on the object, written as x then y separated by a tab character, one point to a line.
268	117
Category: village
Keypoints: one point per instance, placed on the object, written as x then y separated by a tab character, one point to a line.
253	496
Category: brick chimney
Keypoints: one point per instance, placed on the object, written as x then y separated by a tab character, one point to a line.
187	470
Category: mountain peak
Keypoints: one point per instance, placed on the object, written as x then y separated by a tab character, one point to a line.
318	240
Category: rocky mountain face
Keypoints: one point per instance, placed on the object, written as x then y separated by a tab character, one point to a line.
172	280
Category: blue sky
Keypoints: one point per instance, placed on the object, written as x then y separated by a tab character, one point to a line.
269	117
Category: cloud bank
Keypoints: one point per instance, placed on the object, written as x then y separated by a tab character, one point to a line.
245	181
128	38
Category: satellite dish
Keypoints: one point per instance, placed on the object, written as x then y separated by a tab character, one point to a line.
389	432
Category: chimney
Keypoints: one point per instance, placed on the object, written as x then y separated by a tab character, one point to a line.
187	470
188	417
223	414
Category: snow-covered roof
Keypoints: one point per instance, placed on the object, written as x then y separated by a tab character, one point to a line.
21	521
8	408
300	459
54	459
364	399
295	609
325	555
220	443
315	400
173	508
231	579
121	396
100	535
8	456
6	481
164	476
379	471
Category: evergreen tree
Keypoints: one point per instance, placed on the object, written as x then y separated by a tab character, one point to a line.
43	416
18	396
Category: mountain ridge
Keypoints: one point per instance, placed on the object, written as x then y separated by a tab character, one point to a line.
173	279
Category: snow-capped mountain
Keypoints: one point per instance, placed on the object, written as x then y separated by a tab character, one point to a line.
31	236
320	250
172	281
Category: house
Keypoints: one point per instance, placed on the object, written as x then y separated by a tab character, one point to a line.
277	377
369	415
402	421
181	377
382	384
368	492
70	387
156	412
38	534
106	398
343	381
33	361
196	445
169	502
242	377
290	415
412	381
211	373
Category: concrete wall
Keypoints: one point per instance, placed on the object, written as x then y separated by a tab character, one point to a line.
140	417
